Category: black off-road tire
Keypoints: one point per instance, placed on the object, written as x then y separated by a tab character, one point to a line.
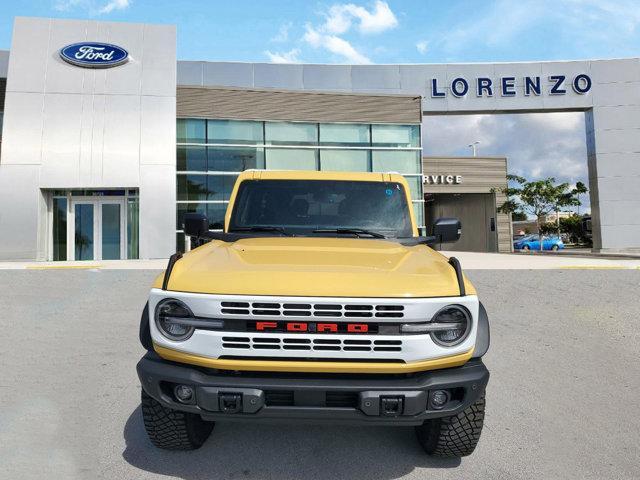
455	436
172	429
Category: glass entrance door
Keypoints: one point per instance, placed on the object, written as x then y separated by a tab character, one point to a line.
112	231
99	229
84	231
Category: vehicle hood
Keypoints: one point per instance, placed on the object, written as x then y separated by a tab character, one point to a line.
326	267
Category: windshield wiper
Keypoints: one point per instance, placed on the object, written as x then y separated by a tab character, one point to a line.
258	228
353	231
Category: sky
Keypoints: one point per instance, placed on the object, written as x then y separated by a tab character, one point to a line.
399	31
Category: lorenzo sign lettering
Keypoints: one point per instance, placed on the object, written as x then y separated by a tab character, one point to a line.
506	86
94	55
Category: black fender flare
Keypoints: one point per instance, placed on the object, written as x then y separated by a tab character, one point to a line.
483	337
145	331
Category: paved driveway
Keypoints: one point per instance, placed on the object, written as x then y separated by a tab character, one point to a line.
563	399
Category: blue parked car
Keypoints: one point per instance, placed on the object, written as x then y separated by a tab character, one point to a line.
532	242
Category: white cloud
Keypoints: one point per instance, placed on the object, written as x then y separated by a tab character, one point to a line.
91	7
340	17
334	44
329	32
574	24
537	145
422	46
115	5
284	57
283	33
65	5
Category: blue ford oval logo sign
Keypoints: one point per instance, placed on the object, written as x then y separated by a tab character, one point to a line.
94	54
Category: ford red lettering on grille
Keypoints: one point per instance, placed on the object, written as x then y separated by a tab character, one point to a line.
311	327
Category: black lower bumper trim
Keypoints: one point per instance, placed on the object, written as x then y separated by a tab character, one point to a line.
366	399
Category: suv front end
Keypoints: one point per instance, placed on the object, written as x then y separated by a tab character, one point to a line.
394	334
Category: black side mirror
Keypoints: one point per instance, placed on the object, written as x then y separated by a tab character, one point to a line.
195	224
447	230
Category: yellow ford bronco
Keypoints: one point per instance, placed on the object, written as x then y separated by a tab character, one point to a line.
318	301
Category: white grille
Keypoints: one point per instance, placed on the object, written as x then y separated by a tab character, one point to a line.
317	344
318	310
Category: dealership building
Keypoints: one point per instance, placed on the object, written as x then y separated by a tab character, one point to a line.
107	139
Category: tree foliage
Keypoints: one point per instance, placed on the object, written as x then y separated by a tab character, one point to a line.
569	226
518	216
539	198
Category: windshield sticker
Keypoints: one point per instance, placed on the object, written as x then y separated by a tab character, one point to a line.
388	192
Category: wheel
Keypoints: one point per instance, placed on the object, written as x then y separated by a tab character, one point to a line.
555	248
525	247
455	436
172	429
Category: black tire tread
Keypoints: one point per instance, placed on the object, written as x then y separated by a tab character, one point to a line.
455	436
171	429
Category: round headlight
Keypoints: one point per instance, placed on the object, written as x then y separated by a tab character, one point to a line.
169	314
454	324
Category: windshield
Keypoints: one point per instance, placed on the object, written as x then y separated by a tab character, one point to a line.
302	207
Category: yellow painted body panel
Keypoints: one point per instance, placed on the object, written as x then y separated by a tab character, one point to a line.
316	266
310	366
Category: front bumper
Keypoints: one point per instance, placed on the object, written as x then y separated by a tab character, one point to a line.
334	398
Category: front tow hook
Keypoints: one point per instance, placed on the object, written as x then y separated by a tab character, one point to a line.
230	402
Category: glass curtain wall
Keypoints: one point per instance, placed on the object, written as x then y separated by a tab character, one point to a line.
211	153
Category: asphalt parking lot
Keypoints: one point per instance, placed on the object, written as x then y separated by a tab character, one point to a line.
563	400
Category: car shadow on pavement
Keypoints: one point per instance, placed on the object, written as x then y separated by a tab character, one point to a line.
285	451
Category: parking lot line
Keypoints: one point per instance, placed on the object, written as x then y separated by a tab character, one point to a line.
61	267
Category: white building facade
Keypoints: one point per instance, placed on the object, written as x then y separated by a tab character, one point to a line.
99	157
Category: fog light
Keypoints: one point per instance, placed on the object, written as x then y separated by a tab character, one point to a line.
439	399
183	393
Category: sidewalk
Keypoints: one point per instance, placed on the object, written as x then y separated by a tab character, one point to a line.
469	261
518	261
154	264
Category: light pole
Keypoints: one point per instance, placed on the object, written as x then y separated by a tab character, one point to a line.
474	147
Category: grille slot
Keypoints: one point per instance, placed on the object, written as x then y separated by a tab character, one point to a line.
265	340
278	398
296	313
387	342
323	313
235	304
235	345
296	340
326	341
342	399
327	307
235	311
357	342
235	342
297	347
297	306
